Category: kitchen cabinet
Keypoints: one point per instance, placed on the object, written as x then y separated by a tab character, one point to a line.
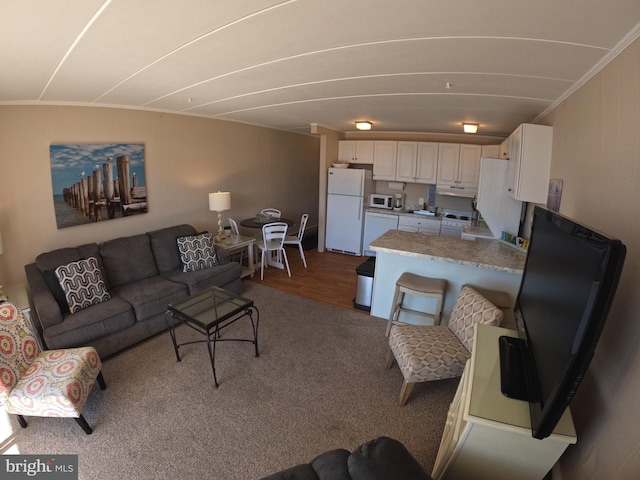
459	165
414	223
491	151
427	163
417	162
529	154
355	151
384	160
406	161
499	210
488	435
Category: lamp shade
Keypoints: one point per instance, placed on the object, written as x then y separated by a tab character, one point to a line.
219	201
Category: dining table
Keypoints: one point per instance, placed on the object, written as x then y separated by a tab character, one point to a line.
254	222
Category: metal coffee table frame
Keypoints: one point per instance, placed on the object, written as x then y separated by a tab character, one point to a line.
208	312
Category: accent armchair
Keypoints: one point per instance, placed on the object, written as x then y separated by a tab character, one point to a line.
434	352
51	383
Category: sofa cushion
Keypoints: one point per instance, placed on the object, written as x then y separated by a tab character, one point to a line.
82	284
127	260
53	283
332	465
150	297
196	281
299	472
197	252
93	322
384	459
164	247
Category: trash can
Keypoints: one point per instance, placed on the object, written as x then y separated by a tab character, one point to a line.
364	285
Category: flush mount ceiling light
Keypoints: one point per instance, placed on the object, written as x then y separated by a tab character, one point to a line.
470	127
363	125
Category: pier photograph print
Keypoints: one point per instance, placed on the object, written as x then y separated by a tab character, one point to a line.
97	182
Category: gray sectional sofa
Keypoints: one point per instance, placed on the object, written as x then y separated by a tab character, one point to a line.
143	274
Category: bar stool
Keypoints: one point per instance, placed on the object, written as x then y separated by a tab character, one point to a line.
421	287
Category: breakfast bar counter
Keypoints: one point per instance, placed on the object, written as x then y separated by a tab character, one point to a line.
484	263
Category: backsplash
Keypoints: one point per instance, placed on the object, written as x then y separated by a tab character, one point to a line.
414	191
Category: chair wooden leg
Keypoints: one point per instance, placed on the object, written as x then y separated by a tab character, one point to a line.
405	391
83	423
22	421
101	381
388	362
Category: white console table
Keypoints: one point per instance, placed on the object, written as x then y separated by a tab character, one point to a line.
487	435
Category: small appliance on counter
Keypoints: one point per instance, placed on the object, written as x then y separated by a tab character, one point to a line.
398	202
379	200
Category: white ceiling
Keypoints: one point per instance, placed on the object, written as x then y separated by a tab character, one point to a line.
287	64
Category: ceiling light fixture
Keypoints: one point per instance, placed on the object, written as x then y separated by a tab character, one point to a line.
470	127
363	125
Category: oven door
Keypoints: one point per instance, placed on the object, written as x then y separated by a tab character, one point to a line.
450	231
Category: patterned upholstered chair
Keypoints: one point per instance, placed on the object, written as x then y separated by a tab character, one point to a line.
52	383
433	352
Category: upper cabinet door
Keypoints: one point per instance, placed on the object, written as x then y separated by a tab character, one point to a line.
469	167
448	158
355	151
530	163
384	160
406	161
427	163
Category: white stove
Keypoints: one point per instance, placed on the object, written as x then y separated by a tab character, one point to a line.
453	221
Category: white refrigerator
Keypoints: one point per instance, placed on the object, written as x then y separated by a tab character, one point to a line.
347	189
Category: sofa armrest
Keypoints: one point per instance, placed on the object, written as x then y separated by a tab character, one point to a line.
46	307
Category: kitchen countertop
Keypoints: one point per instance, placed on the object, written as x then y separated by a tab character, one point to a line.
480	230
403	213
482	253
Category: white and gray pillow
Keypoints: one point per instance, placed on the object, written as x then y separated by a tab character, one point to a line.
82	284
197	251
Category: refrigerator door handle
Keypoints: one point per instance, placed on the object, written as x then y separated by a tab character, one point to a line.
361	208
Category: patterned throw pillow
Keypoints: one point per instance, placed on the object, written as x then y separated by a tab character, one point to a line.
82	284
197	252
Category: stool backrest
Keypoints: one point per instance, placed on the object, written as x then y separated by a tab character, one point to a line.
472	308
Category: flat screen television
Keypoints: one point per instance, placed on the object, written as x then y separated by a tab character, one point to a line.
570	278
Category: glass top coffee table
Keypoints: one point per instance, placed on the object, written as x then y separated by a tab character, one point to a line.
208	312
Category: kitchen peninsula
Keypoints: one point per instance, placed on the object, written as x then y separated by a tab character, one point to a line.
488	264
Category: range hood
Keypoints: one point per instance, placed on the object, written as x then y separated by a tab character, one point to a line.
456	191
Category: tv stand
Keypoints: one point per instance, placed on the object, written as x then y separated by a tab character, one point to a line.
488	435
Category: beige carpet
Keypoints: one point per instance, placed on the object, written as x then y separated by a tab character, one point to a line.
318	384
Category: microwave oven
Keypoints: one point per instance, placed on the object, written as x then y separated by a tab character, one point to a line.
379	200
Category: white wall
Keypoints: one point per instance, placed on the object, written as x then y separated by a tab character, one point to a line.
596	152
185	159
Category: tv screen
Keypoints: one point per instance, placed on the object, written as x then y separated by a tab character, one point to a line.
569	281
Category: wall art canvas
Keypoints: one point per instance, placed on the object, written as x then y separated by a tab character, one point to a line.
97	182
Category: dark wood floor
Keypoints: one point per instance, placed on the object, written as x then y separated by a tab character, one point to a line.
329	277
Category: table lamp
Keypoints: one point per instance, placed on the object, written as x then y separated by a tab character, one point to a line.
219	202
